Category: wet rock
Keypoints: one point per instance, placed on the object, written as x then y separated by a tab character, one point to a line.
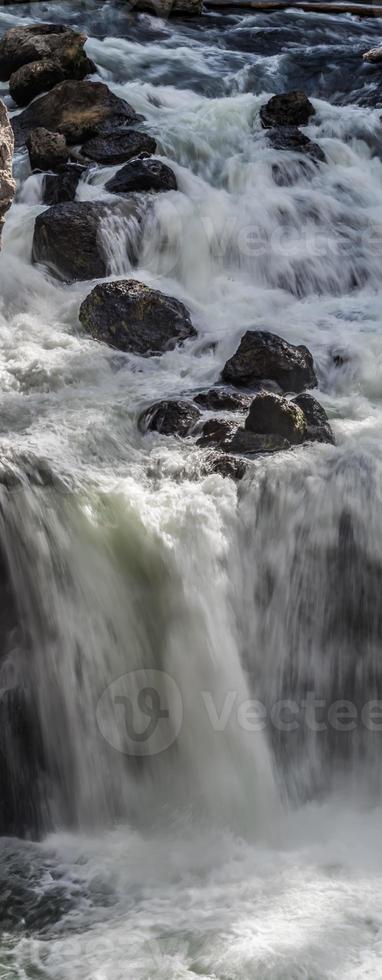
223	399
7	184
61	187
288	109
79	110
276	416
67	238
142	175
318	427
291	138
231	467
217	431
265	355
33	79
118	146
38	42
373	56
21	761
170	418
251	443
46	150
168	8
131	317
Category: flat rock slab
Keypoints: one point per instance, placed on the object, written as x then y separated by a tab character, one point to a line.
263	355
119	146
142	175
131	317
68	238
78	110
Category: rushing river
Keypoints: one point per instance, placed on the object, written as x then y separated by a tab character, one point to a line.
251	846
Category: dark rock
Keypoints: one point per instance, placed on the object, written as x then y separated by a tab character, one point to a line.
265	355
118	146
170	8
130	316
21	761
318	427
228	466
288	109
223	399
216	431
46	149
33	79
38	42
61	187
67	239
142	175
274	415
170	418
79	110
250	443
291	138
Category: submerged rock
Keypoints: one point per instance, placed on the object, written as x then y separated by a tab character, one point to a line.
46	150
118	146
79	110
231	467
7	184
61	187
170	418
276	416
318	427
288	109
142	175
252	443
38	42
265	355
67	238
131	317
291	138
33	79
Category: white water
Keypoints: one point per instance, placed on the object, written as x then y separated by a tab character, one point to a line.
137	562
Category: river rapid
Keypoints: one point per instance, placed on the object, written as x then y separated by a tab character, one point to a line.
244	850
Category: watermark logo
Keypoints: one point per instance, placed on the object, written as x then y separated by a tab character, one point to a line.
141	713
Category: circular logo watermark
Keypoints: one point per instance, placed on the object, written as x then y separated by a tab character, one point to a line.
140	713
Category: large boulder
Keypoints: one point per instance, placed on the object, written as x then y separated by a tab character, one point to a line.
61	187
68	239
265	355
46	150
118	146
79	110
40	42
170	418
31	80
318	427
7	184
276	416
130	316
142	175
288	109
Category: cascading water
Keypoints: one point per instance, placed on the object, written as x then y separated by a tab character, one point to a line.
250	846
